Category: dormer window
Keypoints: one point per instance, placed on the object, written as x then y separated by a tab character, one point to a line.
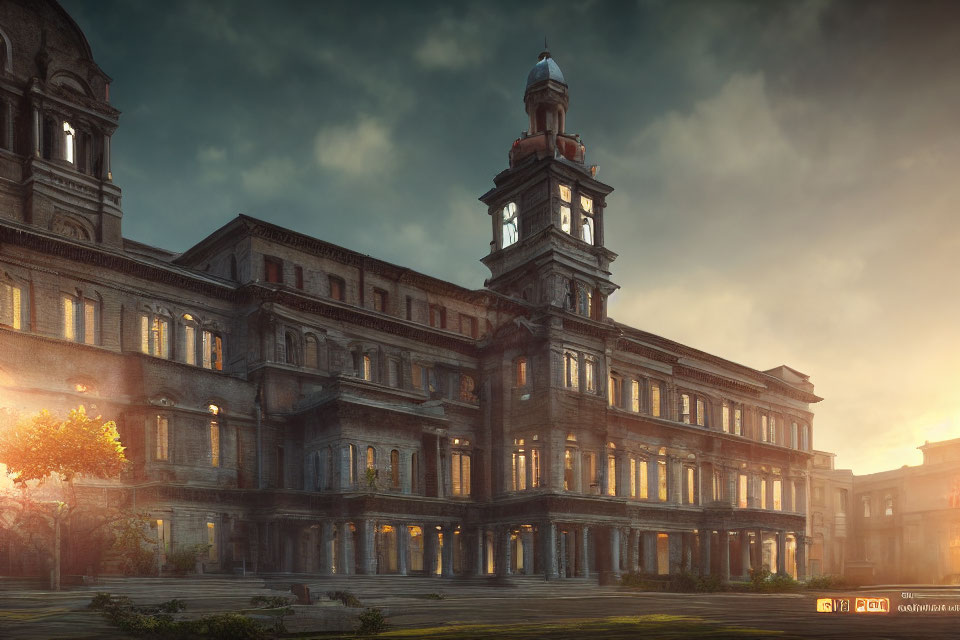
69	143
509	232
566	197
586	219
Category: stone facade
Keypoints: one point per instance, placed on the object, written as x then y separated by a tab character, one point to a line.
302	407
903	524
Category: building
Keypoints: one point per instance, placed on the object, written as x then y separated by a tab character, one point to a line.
302	407
830	529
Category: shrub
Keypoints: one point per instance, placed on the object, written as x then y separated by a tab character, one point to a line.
642	581
172	606
371	622
100	601
827	582
347	598
710	584
184	559
683	582
434	596
226	626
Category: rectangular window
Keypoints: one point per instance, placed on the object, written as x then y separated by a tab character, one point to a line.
11	307
611	475
212	351
409	308
566	197
738	422
163	537
613	392
717	485
662	480
635	396
438	317
685	408
298	276
519	468
794	435
380	300
163	438
460	473
416	376
644	480
214	444
773	430
633	477
71	320
89	322
568	479
351	464
190	344
468	325
521	372
655	400
763	493
778	495
212	542
535	468
725	418
590	374
367	368
337	288
691	486
393	372
571	375
701	413
161	337
273	270
593	481
742	491
764	434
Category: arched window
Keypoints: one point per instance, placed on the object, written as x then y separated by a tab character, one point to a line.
69	142
190	328
13	305
212	350
371	458
155	334
394	469
290	348
509	232
311	352
586	219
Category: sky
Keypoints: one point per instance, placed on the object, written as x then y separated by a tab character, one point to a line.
785	173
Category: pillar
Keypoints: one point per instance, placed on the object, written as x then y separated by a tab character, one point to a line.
801	557
583	548
36	131
705	540
614	550
368	564
481	542
687	551
650	552
345	564
446	552
675	542
781	552
403	547
503	552
724	550
326	547
562	559
430	543
526	539
676	479
634	550
758	550
745	553
548	546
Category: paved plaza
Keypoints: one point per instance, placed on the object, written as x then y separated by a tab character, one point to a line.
27	613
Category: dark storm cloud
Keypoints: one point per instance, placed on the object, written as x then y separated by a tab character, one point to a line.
784	170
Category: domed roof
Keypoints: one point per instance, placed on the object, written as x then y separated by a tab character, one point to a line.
545	69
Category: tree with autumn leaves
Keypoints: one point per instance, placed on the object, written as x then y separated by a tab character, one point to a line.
44	446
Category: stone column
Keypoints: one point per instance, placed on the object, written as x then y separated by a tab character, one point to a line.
614	550
562	559
36	131
368	552
326	547
583	551
481	543
675	542
431	542
675	471
781	551
758	550
801	557
503	552
446	552
634	550
345	564
688	551
650	552
705	544
403	547
724	551
548	546
745	553
106	158
526	539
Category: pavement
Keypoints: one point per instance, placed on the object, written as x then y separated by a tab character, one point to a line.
27	613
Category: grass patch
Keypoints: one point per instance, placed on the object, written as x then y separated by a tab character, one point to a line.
616	628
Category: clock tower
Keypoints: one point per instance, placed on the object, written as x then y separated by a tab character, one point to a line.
547	210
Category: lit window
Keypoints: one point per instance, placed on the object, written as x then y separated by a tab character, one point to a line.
584	300
635	396
163	438
655	400
189	340
590	374
367	368
468	389
69	142
535	466
212	541
586	220
460	473
701	413
519	468
662	480
742	491
571	375
155	335
568	471
565	218
738	421
91	320
763	493
642	475
214	443
352	464
725	418
371	458
611	474
509	232
521	372
11	306
71	318
212	351
614	391
778	495
685	408
691	486
773	429
764	434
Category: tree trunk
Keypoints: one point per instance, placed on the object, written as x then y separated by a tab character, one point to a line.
56	552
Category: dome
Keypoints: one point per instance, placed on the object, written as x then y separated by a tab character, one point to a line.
545	69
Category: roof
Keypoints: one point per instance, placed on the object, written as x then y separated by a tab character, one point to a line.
545	69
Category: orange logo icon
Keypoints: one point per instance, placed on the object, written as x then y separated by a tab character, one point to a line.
872	605
833	605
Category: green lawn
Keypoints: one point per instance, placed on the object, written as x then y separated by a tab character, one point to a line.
618	628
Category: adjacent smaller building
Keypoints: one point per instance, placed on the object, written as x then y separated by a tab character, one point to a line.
897	526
